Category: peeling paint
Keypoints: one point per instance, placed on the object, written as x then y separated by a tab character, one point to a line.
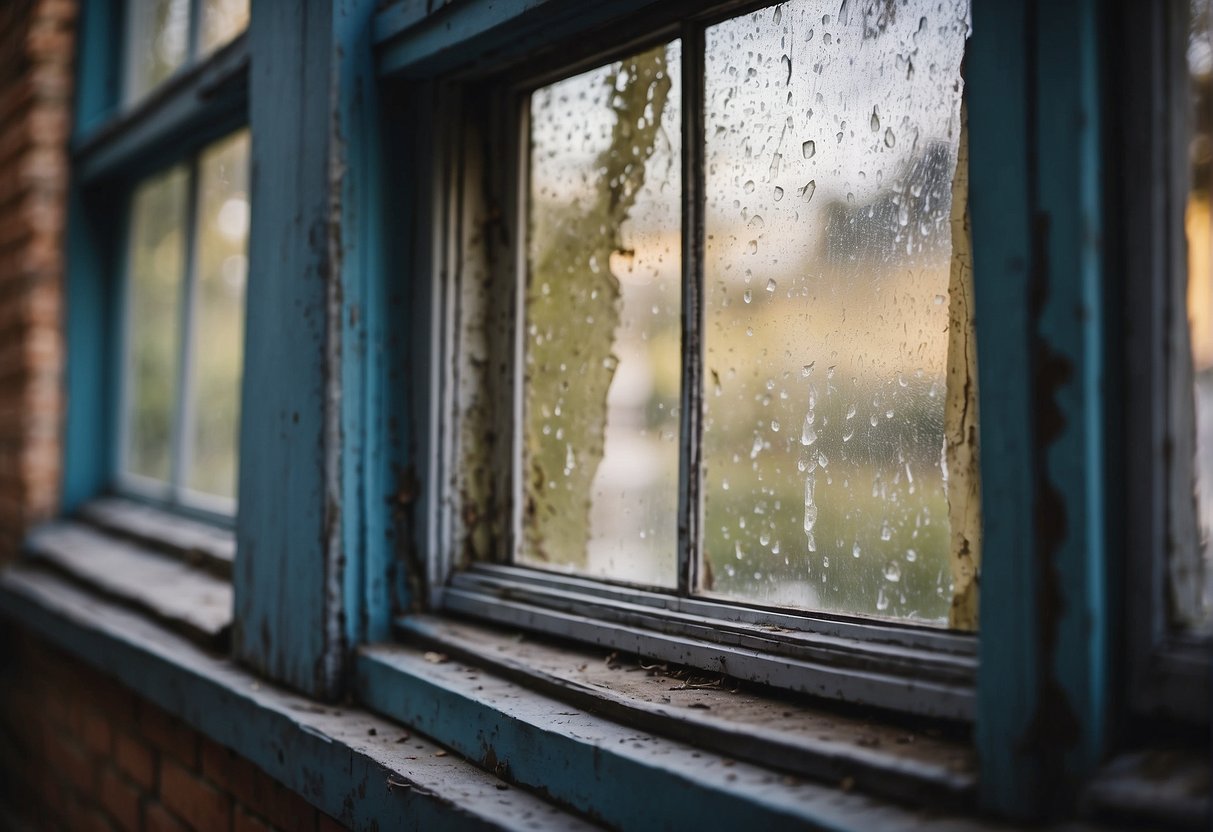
962	455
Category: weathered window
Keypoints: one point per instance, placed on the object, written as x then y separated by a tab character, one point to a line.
715	324
184	332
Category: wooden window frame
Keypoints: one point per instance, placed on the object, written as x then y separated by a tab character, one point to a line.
1168	670
889	664
117	145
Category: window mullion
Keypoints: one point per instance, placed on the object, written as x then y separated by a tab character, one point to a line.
690	500
183	421
195	32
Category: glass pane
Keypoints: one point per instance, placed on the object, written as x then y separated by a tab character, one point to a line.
1193	593
159	42
153	313
218	333
832	141
602	331
222	20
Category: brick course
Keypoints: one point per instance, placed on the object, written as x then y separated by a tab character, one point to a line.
36	45
61	770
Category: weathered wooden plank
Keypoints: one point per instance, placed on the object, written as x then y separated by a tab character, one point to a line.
190	602
806	739
462	34
188	111
344	761
203	545
289	525
599	767
753	662
1033	91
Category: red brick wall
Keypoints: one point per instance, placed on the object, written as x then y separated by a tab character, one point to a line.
78	751
35	101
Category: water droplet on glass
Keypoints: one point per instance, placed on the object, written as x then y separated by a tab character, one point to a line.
850	411
776	160
874	420
753	245
787	69
892	572
875	121
807	434
855	550
778	16
810	506
747	296
737	553
764	539
823	460
771	284
911	555
749	186
778	193
775	425
889	138
882	600
886	531
846	436
808	149
807	369
756	448
903	215
806	193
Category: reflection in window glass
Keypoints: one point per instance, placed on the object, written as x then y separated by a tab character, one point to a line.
182	408
1193	582
157	260
159	38
218	332
222	20
602	323
832	142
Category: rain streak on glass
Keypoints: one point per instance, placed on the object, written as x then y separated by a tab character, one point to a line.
1192	582
601	331
858	113
153	312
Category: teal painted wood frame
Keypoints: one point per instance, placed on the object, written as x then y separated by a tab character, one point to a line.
1034	80
112	150
315	529
88	428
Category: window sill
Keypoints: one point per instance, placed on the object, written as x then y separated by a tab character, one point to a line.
572	732
346	762
185	599
933	766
